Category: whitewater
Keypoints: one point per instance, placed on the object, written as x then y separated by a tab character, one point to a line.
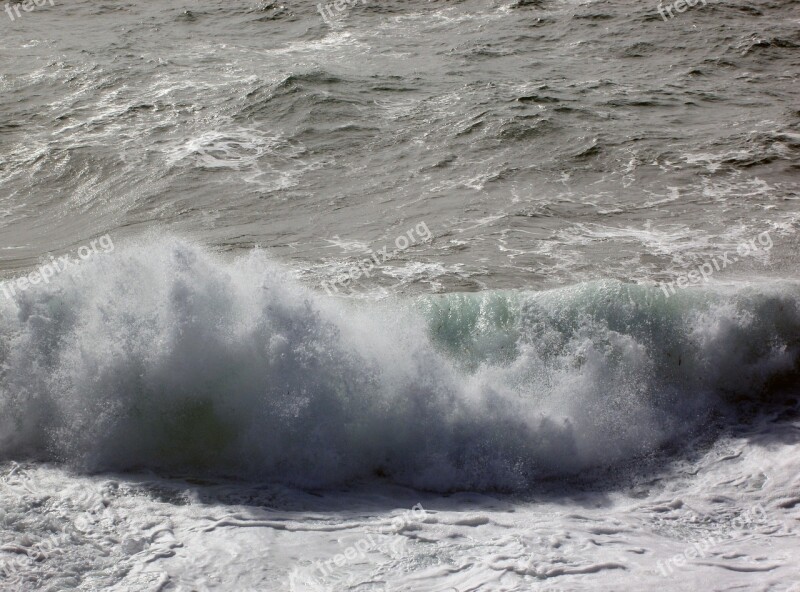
420	296
230	370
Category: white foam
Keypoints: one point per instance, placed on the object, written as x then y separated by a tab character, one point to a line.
164	356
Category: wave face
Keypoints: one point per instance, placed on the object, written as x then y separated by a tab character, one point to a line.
164	356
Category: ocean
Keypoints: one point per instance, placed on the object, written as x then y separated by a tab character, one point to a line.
399	296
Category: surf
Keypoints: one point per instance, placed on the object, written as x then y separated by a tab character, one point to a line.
168	357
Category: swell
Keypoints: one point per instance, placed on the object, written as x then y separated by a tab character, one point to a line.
164	356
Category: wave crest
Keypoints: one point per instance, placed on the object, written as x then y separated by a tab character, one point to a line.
165	356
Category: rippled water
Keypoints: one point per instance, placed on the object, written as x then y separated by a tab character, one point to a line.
507	200
542	142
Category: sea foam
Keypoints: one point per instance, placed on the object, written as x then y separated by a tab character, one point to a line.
168	357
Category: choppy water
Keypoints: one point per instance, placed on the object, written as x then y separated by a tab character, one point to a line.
542	142
498	194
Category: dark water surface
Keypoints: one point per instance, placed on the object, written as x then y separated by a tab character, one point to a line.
541	142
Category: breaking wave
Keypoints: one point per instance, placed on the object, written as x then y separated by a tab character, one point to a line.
165	356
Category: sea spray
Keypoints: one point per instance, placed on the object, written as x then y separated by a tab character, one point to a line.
165	356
